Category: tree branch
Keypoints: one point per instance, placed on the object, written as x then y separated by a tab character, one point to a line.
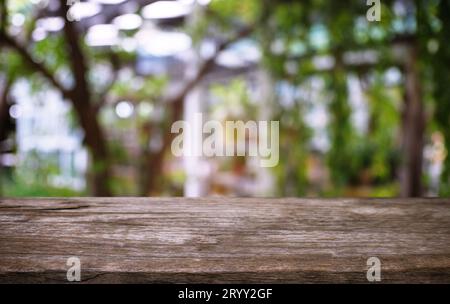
33	64
103	95
155	161
209	63
77	59
3	16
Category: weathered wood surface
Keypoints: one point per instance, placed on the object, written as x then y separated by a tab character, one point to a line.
224	240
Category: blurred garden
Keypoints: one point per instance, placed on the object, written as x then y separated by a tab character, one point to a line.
89	91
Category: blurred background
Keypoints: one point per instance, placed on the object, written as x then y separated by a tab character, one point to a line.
90	89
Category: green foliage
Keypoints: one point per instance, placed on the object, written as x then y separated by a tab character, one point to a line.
293	34
340	130
35	181
243	11
383	127
52	52
140	88
19	188
11	64
233	100
291	172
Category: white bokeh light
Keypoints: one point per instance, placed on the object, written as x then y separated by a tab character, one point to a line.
51	24
191	2
145	109
81	10
128	21
166	10
18	19
239	54
124	109
203	2
39	34
159	43
128	44
102	35
14	111
110	2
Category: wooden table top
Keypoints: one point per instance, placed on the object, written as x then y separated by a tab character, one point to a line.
224	240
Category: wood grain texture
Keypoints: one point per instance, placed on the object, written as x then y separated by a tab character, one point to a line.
224	240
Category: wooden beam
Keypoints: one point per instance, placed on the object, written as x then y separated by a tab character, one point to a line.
224	240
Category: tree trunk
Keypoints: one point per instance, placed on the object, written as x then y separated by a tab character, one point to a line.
413	129
79	95
86	111
4	110
155	160
96	142
6	125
